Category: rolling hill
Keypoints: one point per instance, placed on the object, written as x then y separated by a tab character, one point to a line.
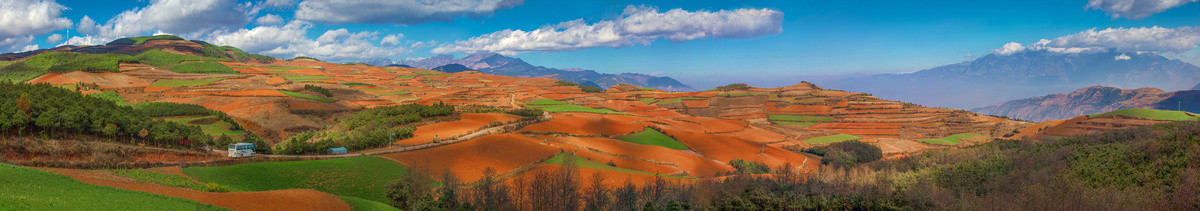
497	64
994	78
1093	100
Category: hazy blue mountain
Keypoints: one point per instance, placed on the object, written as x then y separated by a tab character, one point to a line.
995	78
507	66
452	68
1093	100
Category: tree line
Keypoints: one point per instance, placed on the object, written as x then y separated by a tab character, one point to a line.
375	127
42	109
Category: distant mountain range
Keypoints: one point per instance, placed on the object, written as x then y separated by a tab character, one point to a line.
507	66
1093	100
994	78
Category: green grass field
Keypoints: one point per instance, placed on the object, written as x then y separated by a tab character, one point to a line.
1151	114
355	84
391	93
140	40
955	139
359	204
220	127
362	177
143	176
831	139
179	83
806	124
112	96
181	63
650	136
38	65
293	94
549	105
30	189
585	163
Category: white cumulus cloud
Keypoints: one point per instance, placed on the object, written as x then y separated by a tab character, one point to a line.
637	25
1122	57
53	38
20	20
289	41
269	19
1135	9
404	12
13	44
1142	39
189	18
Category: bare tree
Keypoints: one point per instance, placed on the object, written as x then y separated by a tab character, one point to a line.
597	194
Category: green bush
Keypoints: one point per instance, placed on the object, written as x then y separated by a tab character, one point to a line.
847	153
747	167
526	112
318	89
591	89
365	129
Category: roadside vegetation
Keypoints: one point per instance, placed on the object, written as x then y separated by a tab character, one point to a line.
371	128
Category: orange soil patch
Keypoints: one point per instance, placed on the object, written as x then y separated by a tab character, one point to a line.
189	93
156	89
1034	129
450	129
373	103
584	125
676	159
503	153
254	93
759	135
294	199
714	125
725	149
103	80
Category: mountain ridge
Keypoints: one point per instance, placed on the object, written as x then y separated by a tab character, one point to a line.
1092	100
497	64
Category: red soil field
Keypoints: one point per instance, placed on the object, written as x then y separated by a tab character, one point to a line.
503	153
445	130
580	124
294	199
694	165
725	149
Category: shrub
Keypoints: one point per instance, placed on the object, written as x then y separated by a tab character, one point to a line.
591	89
733	87
564	83
318	89
847	153
747	167
527	112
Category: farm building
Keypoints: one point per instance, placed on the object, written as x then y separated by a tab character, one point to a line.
337	151
241	150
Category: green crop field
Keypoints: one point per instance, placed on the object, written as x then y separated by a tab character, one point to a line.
220	127
806	124
363	177
650	136
143	176
559	106
647	100
798	118
359	204
355	84
202	67
38	65
179	83
111	96
182	63
831	139
585	163
30	189
955	139
1151	114
293	94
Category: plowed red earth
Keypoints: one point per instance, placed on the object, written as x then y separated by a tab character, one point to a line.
451	129
726	148
294	199
468	159
579	124
675	159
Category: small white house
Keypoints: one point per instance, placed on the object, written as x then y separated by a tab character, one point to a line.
241	150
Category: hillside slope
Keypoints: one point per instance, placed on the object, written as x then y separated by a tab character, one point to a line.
1093	100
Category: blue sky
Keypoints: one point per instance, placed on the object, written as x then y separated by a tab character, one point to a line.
811	38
